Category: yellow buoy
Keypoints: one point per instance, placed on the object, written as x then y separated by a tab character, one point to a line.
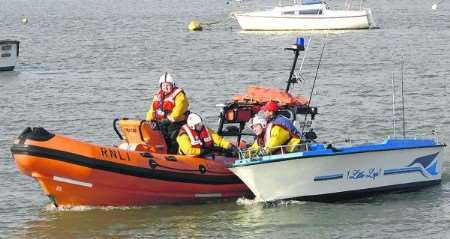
24	20
195	25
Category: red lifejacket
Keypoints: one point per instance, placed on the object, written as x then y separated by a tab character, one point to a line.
164	104
200	139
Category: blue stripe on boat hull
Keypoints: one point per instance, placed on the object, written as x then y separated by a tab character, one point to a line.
402	170
328	177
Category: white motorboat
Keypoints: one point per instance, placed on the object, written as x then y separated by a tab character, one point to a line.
309	15
327	172
9	51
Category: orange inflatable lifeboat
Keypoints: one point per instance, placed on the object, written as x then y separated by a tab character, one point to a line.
138	172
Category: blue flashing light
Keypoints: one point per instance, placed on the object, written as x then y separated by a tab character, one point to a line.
300	41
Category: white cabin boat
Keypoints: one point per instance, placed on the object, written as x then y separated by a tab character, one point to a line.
323	172
9	51
327	174
307	16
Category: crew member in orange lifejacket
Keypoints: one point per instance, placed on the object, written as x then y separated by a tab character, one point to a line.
196	139
169	102
169	107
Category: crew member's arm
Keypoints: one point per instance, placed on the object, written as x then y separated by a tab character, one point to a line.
181	106
185	146
218	140
278	136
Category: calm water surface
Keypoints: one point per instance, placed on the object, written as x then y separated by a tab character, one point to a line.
85	62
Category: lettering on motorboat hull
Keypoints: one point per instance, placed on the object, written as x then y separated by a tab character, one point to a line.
370	173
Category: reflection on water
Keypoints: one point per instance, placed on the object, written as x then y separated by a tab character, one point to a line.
245	218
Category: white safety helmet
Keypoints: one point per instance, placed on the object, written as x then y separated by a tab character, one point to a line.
193	119
258	119
166	77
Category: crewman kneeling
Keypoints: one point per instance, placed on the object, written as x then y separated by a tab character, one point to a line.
271	136
195	138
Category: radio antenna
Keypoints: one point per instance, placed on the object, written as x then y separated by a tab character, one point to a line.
393	104
403	104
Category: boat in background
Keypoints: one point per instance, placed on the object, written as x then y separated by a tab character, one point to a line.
309	15
326	172
9	51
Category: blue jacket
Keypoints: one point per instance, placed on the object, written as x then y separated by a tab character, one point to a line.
287	124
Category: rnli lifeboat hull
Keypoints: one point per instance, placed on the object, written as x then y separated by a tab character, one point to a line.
72	172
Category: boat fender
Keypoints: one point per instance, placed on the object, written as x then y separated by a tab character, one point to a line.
202	169
152	164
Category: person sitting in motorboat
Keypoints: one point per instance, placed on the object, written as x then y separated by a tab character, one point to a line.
195	138
258	125
169	107
274	130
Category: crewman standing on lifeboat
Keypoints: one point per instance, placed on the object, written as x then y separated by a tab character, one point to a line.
195	138
169	107
278	131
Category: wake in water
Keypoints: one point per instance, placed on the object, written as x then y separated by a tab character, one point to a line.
257	201
51	207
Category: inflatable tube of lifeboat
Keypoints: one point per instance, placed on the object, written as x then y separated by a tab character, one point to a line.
73	172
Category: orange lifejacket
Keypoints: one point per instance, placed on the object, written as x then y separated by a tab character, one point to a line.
200	139
163	104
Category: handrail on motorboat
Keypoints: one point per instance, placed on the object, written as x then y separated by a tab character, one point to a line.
250	154
257	154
